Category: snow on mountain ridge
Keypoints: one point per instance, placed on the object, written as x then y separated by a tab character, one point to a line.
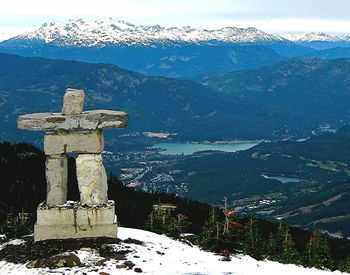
8	33
313	36
109	31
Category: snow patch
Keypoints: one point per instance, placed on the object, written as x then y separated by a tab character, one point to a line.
12	242
159	254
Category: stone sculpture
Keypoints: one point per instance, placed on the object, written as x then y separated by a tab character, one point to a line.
74	131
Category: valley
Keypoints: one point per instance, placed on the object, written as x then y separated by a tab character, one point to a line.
178	111
305	183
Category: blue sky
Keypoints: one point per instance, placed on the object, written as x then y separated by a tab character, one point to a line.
269	15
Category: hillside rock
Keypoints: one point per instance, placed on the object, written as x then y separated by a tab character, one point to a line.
67	259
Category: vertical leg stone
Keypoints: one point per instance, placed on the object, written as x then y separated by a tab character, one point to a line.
92	179
56	178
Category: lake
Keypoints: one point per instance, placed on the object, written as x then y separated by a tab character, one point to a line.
282	179
177	148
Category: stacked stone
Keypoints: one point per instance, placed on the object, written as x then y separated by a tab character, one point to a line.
91	175
75	131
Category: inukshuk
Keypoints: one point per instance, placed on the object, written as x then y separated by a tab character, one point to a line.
74	131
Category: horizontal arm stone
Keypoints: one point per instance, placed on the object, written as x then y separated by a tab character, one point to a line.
88	120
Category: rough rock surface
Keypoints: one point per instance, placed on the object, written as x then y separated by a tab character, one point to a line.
92	179
73	220
66	259
88	120
73	142
30	251
73	102
56	178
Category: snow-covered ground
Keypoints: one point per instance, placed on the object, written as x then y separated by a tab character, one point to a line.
162	255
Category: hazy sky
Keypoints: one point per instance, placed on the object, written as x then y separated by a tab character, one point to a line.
268	15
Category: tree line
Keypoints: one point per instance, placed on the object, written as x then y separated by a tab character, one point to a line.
217	229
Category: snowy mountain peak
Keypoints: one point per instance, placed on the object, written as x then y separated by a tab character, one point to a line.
312	36
110	31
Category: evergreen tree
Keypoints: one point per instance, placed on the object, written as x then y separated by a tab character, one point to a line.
344	266
252	242
317	252
270	248
289	253
274	244
209	238
159	222
279	238
178	225
325	253
149	225
280	246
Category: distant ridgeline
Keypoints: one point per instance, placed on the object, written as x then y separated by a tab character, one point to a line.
154	104
290	99
154	50
310	87
172	52
23	187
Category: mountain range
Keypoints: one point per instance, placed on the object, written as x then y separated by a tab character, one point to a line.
291	98
111	31
154	104
154	50
173	52
311	86
151	50
319	41
315	36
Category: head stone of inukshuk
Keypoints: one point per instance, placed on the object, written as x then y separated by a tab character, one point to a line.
74	131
